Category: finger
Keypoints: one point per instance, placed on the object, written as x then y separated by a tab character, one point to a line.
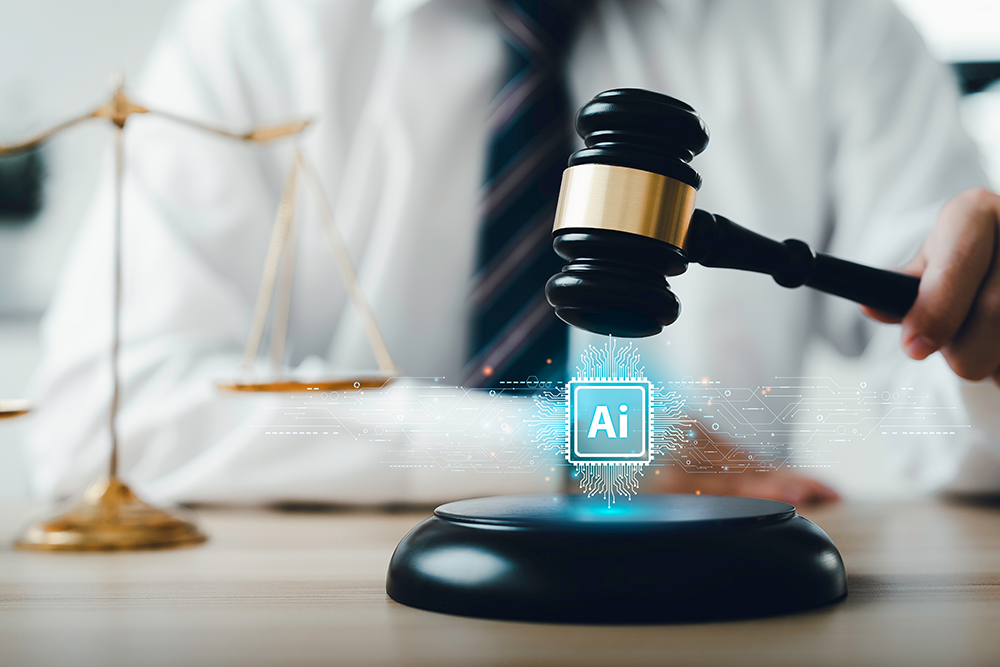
779	485
821	493
914	268
795	490
974	353
879	316
957	256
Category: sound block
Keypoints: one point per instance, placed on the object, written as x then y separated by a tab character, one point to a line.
651	559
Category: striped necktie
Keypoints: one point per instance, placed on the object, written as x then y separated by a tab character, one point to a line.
515	336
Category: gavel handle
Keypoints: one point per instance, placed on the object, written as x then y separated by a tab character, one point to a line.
718	242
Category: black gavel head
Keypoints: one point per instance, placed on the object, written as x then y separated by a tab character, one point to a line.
624	209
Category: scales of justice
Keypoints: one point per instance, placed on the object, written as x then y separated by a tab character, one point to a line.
110	516
554	557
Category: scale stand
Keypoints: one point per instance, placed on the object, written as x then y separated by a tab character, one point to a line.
110	516
279	265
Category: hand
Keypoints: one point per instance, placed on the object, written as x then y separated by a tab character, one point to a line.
957	310
780	484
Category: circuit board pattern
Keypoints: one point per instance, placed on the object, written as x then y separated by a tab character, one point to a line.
667	423
701	426
795	422
421	423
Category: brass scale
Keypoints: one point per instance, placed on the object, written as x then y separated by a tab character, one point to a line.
110	516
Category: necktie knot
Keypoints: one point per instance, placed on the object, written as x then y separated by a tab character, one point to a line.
539	31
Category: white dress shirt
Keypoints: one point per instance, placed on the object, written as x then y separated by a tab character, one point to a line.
829	122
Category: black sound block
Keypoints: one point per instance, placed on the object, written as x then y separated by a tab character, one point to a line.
654	558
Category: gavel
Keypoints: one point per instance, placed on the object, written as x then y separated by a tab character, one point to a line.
625	221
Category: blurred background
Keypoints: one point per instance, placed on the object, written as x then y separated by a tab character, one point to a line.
56	59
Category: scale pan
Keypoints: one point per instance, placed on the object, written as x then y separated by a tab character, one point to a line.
290	386
13	408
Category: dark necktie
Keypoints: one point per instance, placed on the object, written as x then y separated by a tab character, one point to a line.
514	333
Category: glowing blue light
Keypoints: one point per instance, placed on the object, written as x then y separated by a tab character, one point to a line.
609	413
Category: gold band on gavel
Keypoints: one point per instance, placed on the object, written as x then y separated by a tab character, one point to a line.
600	196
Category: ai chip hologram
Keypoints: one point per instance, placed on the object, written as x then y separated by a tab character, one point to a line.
610	421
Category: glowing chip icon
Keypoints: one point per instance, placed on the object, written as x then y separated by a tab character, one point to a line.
609	421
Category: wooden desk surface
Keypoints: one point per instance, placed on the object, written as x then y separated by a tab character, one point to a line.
276	588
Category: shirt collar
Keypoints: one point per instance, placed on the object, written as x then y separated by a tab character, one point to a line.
387	12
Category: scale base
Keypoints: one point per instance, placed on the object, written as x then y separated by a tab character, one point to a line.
652	559
110	518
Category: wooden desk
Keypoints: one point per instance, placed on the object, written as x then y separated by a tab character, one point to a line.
276	588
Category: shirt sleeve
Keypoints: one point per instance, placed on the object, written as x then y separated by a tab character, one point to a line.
197	217
898	152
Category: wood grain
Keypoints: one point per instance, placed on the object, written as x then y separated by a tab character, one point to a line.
281	588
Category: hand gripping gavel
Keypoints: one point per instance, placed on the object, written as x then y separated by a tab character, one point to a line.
626	220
